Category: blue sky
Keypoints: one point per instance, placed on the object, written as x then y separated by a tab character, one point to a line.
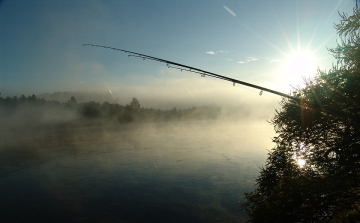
41	44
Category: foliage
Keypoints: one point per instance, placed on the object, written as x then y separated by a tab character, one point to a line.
325	132
91	110
134	104
107	113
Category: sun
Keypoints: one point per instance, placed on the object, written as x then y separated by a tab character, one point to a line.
301	162
300	64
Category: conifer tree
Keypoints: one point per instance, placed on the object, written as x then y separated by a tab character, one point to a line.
324	132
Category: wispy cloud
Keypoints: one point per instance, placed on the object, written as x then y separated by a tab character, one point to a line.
229	10
274	61
249	59
220	51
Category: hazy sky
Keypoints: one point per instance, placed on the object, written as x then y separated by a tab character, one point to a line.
268	43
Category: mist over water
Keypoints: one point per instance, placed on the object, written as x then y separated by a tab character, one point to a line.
182	171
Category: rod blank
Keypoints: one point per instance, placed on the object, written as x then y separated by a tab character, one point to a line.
193	69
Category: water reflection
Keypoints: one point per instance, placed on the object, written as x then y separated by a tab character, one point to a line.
137	173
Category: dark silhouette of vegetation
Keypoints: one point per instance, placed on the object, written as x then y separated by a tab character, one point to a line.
105	113
327	187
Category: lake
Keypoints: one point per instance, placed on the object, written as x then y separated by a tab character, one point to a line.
163	172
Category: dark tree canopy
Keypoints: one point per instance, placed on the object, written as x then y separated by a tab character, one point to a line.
135	104
327	187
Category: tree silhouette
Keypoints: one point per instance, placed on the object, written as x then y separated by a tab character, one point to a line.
91	109
327	187
135	104
73	100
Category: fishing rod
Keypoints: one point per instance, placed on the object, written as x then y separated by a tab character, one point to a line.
299	102
203	73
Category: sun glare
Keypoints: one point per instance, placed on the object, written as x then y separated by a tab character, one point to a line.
300	64
301	162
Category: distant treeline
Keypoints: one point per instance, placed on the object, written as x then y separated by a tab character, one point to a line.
109	112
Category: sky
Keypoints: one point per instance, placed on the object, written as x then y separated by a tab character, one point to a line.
268	43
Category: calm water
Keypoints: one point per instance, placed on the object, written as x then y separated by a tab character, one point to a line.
188	172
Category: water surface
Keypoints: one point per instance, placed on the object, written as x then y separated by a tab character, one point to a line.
167	172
